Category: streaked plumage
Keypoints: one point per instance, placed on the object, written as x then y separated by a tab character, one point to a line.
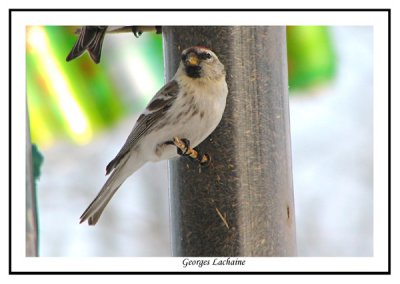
90	39
190	106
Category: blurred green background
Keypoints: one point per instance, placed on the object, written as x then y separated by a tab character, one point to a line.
81	113
74	100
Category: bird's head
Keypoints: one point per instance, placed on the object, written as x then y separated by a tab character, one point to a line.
200	62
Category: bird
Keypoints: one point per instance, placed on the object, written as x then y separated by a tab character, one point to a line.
91	39
186	109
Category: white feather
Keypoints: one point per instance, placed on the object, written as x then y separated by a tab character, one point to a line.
194	114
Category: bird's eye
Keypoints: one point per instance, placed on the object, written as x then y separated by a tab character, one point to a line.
205	55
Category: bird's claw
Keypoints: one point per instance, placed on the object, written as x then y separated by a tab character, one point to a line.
136	31
184	149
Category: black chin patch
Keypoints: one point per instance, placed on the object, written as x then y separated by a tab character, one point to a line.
193	71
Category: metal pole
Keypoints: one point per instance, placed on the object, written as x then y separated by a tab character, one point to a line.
31	213
242	204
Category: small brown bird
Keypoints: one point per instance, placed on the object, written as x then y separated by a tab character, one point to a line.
189	107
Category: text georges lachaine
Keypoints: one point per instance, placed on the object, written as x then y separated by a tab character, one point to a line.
189	262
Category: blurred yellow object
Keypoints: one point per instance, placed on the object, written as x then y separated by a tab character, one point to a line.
74	100
65	100
55	82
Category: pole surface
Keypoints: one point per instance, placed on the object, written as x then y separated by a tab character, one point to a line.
31	225
242	203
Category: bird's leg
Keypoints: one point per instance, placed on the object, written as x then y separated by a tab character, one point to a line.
203	158
137	31
184	149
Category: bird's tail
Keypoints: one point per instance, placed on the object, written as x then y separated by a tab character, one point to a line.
118	176
90	39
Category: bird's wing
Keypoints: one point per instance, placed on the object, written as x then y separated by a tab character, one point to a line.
154	112
91	38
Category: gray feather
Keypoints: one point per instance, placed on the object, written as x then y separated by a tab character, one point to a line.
96	207
90	39
156	109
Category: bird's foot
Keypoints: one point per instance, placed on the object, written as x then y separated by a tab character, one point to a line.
137	31
184	149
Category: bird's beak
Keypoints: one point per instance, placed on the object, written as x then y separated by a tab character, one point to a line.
192	60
